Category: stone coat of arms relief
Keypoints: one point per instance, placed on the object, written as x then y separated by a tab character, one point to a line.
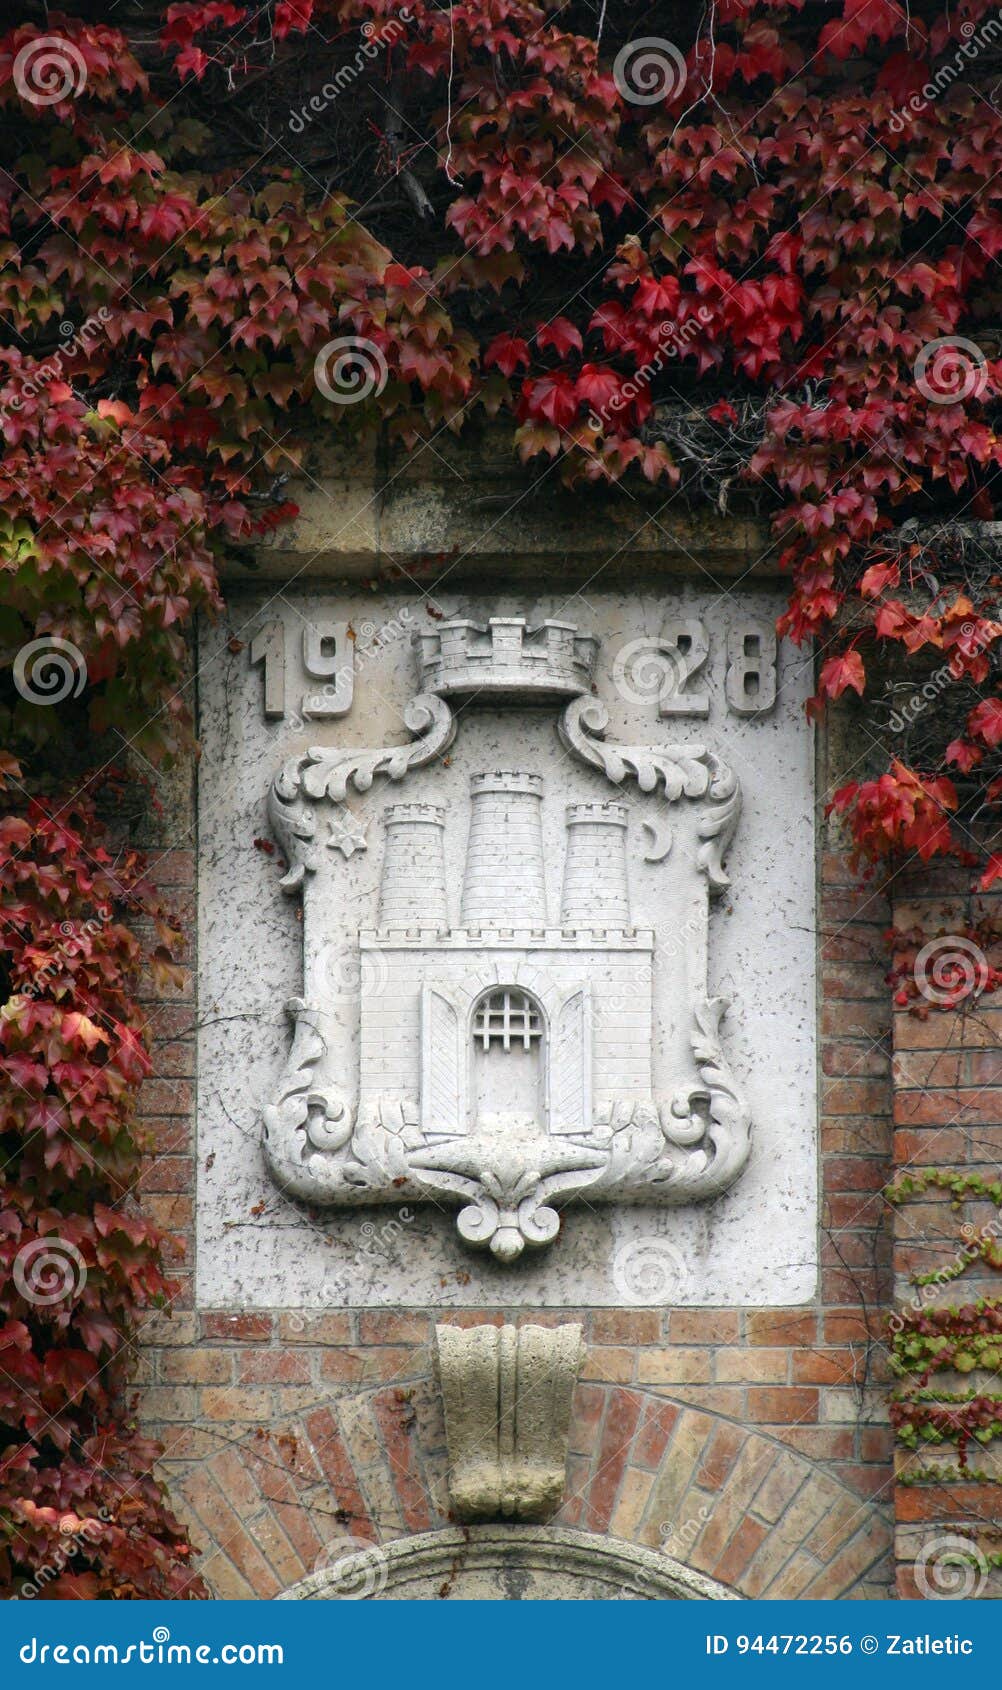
499	1057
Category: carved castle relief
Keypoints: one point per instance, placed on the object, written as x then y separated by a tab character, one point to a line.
502	1060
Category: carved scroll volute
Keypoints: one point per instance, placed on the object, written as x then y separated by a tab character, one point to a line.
672	771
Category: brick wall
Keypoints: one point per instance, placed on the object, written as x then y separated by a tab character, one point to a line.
948	1116
752	1444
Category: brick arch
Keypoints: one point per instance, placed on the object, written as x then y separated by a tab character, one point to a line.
733	1503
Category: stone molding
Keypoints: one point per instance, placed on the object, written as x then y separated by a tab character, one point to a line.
506	1562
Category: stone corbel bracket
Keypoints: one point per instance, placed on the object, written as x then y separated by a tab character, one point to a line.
507	1394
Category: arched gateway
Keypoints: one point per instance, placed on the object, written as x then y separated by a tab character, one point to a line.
508	1564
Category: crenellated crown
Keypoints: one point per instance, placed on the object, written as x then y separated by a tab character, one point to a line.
505	658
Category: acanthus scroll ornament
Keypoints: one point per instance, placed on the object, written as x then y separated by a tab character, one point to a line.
678	771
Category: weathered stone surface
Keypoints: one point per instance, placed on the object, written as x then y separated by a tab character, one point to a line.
508	1563
507	1393
617	838
464	510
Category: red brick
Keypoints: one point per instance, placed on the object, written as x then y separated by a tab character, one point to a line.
855	1173
586	1417
859	942
166	1097
626	1326
946	1502
172	868
838	1057
945	1145
855	1020
951	1108
820	1443
654	1434
274	1367
782	1326
167	1173
855	1209
621	1417
311	1328
876	1443
854	1097
781	1404
396	1420
740	1550
838	1285
704	1326
719	1456
949	1030
827	1367
855	1135
238	1328
385	1328
843	1325
921	1068
166	1134
984	1067
335	1464
854	980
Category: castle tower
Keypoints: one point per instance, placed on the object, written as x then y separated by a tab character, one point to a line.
595	891
503	885
412	890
